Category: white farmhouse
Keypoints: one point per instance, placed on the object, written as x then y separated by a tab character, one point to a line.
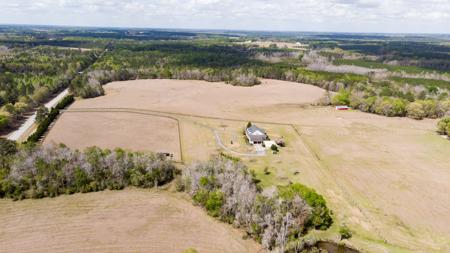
255	135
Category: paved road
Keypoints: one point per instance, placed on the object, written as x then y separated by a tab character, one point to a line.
16	135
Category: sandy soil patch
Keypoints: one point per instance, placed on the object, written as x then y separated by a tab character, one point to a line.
124	221
135	132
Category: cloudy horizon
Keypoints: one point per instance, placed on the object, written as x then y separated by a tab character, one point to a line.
362	16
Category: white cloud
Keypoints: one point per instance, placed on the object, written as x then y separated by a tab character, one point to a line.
320	15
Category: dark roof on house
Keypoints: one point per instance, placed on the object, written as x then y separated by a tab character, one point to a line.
254	129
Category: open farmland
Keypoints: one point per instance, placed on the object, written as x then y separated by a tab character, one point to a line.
116	137
201	98
144	115
124	221
115	130
386	178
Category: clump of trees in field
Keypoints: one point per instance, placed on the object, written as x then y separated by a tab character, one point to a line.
37	172
444	126
244	79
345	232
275	217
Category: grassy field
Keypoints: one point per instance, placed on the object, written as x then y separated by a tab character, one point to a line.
386	178
132	220
386	175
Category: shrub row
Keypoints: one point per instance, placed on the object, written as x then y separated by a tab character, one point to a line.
45	123
66	101
37	172
43	126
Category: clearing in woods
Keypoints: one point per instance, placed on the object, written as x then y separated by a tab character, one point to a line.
386	178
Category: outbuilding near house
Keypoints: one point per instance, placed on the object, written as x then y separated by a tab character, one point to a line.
255	135
342	108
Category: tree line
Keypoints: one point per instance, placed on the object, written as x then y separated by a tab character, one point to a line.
236	64
389	106
30	171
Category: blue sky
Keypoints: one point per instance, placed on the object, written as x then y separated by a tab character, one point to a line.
390	16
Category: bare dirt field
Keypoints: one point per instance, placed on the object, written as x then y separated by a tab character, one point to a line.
202	98
124	221
386	178
113	129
